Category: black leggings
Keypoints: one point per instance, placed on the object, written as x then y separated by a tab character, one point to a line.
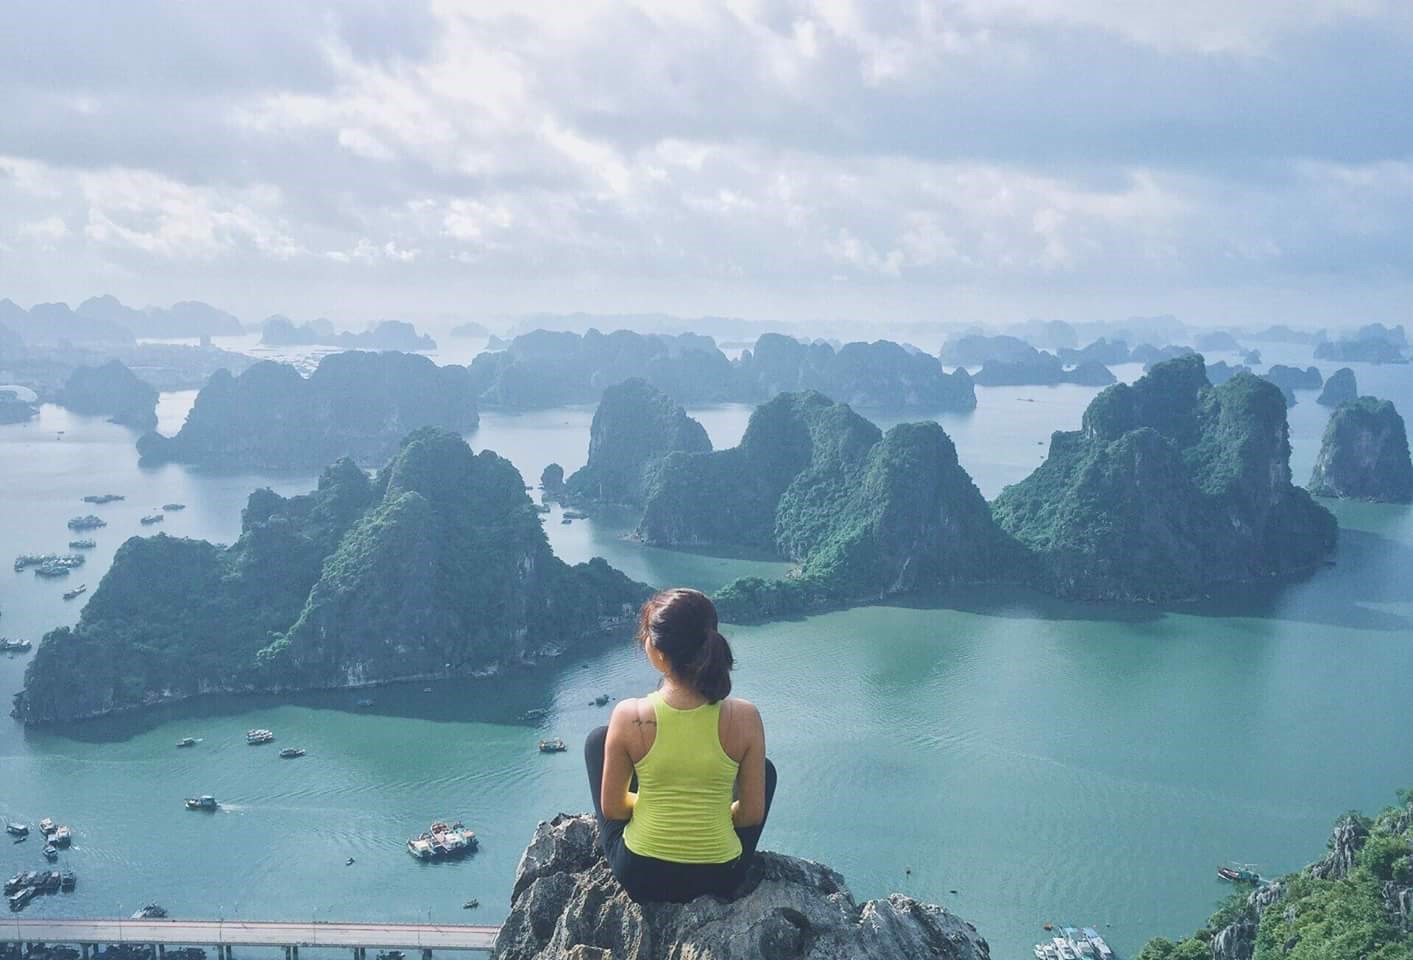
647	878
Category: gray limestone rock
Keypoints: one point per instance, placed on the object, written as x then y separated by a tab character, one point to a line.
566	903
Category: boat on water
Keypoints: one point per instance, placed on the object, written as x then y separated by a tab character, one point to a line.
52	570
291	753
47	826
84	544
186	742
78	591
16	829
601	700
392	955
471	904
575	515
21	897
442	842
102	498
51	852
152	518
1101	948
1239	873
1063	949
152	911
67	880
14	646
172	507
87	522
553	745
205	802
63	836
363	703
258	736
34	560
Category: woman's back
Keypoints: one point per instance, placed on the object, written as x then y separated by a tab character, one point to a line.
685	781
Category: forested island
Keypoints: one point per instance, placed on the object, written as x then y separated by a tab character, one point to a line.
1372	343
634	426
1340	387
438	566
1355	901
543	369
1171	487
1364	454
355	404
111	390
281	331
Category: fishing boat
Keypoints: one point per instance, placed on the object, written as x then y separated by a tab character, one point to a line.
84	544
21	897
63	836
186	742
67	880
16	829
471	904
291	753
1239	873
102	498
78	591
87	522
172	507
14	646
1062	947
258	736
152	911
47	826
51	852
205	802
554	745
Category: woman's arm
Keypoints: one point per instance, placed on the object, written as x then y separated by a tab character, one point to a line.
749	808
614	797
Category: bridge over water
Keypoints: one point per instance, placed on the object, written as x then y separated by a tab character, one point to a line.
225	935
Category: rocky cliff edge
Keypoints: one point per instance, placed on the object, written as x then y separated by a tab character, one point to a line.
566	903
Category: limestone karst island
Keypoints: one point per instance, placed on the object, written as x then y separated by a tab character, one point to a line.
730	480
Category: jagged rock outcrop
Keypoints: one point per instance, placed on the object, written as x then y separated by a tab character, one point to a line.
882	375
1346	840
1339	388
552	479
355	404
566	903
1237	940
800	452
438	566
1220	372
1364	454
1103	351
189	318
976	350
1171	486
114	391
635	426
17	404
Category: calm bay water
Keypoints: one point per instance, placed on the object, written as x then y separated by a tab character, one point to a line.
1044	760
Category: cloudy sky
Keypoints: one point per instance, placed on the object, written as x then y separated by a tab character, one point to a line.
957	160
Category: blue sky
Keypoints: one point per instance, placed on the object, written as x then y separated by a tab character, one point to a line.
1242	161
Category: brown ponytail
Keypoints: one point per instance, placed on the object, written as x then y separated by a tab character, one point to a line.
682	625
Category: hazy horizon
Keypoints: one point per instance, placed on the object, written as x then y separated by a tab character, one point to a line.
831	163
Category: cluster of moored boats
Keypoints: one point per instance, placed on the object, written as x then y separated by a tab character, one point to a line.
443	841
14	646
1074	943
49	564
57	836
28	884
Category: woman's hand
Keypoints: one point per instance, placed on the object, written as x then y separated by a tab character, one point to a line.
614	797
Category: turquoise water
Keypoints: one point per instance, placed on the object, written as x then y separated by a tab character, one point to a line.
1044	760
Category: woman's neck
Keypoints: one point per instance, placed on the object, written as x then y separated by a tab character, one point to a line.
679	695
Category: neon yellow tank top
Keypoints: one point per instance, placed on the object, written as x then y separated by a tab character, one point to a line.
683	811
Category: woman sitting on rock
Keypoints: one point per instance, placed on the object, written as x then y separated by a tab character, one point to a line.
664	771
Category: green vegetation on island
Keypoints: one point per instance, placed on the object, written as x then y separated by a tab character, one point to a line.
634	426
1340	386
355	404
1356	903
1170	487
1364	454
114	391
438	566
